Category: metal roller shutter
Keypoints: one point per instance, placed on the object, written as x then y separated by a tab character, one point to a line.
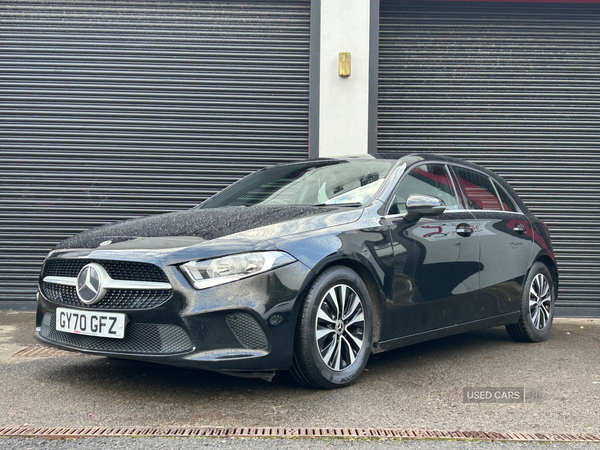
514	87
118	109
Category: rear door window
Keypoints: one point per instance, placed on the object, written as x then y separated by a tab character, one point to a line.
478	188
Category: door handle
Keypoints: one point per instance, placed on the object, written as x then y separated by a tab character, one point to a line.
519	228
464	230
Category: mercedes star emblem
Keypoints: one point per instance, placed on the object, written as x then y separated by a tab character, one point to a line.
90	283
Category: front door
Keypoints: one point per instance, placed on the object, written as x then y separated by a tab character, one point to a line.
436	260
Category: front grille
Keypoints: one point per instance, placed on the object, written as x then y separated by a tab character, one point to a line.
118	270
247	331
114	298
140	338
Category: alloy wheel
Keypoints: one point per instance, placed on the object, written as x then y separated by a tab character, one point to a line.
340	327
540	298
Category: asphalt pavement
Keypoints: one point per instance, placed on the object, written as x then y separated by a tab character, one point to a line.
418	387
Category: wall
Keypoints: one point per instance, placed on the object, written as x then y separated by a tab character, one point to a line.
344	102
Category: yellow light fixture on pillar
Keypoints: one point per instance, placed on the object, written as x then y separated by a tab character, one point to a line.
344	65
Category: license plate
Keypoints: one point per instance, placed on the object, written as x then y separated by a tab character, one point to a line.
91	323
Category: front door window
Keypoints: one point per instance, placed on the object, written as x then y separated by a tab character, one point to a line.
429	179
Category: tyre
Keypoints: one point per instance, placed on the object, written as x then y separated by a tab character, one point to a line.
537	306
335	330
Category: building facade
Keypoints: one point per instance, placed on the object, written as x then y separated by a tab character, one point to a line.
113	110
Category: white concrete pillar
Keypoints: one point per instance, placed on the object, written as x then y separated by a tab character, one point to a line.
344	102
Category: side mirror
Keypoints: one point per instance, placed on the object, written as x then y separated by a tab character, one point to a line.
419	205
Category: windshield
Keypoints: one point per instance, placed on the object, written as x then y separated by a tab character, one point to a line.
314	183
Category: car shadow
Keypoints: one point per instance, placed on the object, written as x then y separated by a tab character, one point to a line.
473	342
139	377
112	391
100	391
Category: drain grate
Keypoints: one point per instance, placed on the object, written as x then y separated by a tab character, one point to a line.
43	351
381	433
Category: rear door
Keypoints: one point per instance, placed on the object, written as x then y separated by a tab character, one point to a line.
505	236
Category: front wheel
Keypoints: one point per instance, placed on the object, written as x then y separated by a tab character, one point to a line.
334	332
537	306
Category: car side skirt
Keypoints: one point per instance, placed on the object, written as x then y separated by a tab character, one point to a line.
503	319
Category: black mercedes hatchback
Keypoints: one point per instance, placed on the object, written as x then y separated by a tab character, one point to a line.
310	267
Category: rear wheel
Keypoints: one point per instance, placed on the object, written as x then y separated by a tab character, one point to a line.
334	333
537	306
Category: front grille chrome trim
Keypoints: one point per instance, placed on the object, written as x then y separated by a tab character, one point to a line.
109	283
65	281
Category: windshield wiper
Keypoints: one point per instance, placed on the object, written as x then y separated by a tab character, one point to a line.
350	204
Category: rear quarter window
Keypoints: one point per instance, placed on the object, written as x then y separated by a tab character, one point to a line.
507	202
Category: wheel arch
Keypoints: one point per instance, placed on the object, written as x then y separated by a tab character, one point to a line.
526	329
551	265
374	288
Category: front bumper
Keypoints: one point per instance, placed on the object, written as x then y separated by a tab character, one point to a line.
245	327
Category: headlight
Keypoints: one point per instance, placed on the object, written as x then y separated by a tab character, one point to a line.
212	272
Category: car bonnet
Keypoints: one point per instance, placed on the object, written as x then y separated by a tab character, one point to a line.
210	224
